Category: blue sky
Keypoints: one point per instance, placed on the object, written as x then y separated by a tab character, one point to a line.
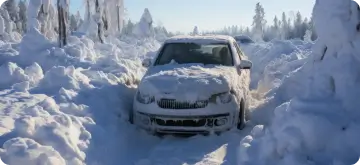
183	15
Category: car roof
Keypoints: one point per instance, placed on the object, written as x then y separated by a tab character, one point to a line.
242	37
205	39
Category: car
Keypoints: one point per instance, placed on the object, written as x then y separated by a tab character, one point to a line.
243	40
194	85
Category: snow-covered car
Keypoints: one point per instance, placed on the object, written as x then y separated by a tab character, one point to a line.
195	84
243	40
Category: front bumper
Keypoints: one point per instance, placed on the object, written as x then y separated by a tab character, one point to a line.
184	124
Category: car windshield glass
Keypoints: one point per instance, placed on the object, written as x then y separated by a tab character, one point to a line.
183	53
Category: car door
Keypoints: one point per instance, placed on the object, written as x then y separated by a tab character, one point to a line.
244	78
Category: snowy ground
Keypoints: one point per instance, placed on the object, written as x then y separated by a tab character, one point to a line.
70	106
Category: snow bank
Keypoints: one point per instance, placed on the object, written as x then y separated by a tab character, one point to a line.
317	121
12	74
58	102
37	119
36	153
275	59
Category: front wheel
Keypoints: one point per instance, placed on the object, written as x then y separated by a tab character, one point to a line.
131	117
242	116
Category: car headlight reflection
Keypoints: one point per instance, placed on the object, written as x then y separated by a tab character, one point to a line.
144	99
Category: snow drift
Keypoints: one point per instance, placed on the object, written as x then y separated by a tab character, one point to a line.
57	101
317	123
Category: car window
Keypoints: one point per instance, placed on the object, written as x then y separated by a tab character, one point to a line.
182	53
238	50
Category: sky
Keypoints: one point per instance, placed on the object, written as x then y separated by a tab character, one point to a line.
183	15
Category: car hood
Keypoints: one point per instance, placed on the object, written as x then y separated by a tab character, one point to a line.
186	82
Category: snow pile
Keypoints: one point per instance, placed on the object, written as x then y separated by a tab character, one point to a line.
205	81
57	103
47	134
320	124
18	147
12	74
272	60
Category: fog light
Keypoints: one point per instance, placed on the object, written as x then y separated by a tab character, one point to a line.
144	120
220	122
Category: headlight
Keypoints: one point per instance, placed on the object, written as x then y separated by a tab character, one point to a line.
144	99
224	98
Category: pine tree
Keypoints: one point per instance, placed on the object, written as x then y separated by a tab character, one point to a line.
78	19
284	27
145	26
195	31
259	22
73	23
276	28
299	32
129	28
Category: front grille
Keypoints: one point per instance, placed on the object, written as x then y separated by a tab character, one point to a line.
173	104
181	123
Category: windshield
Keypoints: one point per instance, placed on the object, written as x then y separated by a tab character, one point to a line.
184	53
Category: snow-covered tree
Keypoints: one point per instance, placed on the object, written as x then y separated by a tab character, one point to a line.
7	21
63	11
274	30
195	31
145	27
23	15
284	27
99	20
73	23
79	20
307	36
128	28
13	10
299	30
259	23
22	5
120	14
32	14
2	26
115	15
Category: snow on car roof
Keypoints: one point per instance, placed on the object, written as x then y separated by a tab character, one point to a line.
200	39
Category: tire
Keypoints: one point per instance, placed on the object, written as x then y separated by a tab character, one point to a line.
131	117
247	112
241	119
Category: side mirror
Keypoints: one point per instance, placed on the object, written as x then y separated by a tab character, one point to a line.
146	63
245	64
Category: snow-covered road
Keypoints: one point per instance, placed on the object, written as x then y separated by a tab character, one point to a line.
70	106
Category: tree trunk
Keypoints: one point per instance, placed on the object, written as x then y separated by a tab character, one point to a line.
100	32
88	12
118	18
62	24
